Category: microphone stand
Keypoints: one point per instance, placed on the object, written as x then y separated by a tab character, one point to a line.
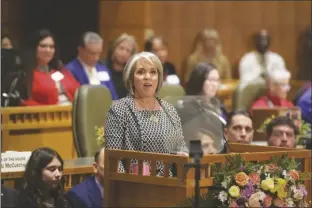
196	155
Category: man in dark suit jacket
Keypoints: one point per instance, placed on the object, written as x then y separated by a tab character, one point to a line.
8	197
89	193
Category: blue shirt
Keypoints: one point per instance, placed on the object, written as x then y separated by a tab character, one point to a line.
305	103
78	71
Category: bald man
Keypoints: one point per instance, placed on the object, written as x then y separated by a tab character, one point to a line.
89	193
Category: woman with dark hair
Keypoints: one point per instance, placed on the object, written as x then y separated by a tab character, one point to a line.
47	82
205	81
44	185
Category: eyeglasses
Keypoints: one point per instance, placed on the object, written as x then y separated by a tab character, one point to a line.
282	133
47	46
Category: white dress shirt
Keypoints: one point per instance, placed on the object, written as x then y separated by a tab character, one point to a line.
252	65
91	73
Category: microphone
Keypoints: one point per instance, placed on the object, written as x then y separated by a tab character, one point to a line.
13	92
207	112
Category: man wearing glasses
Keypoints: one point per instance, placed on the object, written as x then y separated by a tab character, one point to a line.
86	67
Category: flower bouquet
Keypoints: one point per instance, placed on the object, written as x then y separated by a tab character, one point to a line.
275	183
240	184
99	134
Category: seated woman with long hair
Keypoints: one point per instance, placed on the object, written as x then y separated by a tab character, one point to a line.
47	81
205	81
44	184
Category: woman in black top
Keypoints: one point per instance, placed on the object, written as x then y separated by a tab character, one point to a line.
44	184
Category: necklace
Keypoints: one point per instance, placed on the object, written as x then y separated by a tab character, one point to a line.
153	117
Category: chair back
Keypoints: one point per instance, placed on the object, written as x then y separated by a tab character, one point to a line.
90	107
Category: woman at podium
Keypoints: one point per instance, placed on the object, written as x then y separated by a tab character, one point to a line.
142	121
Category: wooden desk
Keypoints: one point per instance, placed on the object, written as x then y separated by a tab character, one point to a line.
28	128
74	172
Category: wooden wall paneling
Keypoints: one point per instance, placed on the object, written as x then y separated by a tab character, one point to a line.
117	17
236	21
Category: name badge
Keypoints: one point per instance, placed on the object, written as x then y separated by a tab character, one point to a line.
103	76
57	76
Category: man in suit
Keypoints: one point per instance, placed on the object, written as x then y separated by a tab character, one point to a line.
89	193
8	197
86	67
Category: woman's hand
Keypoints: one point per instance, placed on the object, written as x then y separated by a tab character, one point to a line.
183	154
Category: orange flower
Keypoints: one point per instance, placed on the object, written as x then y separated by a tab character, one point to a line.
294	174
255	178
267	201
241	179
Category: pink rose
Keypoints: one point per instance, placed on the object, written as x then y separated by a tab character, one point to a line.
146	169
254	200
255	178
278	202
271	168
233	204
267	201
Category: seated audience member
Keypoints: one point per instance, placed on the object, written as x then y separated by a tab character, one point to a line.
205	81
47	83
8	197
278	87
253	67
208	142
142	121
305	104
239	128
119	52
6	42
255	64
281	132
158	46
207	48
86	67
44	185
90	192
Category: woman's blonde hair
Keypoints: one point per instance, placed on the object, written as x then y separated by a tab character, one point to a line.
200	41
128	72
121	38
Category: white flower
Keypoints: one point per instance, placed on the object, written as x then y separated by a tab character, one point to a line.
284	173
223	196
293	188
290	202
224	184
261	195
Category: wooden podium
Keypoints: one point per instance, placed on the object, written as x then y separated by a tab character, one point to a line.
28	128
130	190
261	114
